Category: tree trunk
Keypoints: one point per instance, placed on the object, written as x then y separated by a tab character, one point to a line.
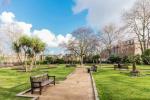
81	61
109	52
96	61
19	58
25	64
32	63
35	61
100	62
93	62
134	67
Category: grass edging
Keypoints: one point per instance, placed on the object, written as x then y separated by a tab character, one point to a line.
96	97
21	94
70	74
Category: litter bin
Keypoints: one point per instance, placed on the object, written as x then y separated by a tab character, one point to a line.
88	70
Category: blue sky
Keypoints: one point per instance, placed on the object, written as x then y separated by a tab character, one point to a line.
53	20
55	15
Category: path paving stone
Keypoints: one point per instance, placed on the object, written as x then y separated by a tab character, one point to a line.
76	87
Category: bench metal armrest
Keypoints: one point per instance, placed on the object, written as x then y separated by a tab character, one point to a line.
52	77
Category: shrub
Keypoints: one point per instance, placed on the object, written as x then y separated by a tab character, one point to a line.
138	59
53	60
71	65
146	57
126	59
41	62
130	59
60	61
48	59
114	59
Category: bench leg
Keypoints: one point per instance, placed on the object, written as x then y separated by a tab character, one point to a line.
54	80
31	90
40	90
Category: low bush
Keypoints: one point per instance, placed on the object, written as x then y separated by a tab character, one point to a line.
126	59
114	59
146	57
71	65
138	59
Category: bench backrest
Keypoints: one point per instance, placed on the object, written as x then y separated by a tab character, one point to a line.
39	78
94	68
124	65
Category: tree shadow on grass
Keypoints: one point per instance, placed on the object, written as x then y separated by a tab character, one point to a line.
125	73
144	69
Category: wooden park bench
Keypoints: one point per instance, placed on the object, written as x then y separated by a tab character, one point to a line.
93	68
121	66
39	81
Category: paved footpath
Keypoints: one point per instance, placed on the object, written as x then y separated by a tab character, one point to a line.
76	87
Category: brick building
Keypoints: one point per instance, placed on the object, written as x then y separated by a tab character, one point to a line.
125	48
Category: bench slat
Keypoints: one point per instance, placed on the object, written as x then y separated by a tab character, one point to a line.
40	81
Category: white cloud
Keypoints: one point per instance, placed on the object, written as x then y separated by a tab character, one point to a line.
101	12
7	17
11	29
60	38
51	39
25	27
47	36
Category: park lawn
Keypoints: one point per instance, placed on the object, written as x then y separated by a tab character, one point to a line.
13	82
119	85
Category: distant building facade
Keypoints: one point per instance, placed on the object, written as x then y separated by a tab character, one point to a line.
13	58
124	48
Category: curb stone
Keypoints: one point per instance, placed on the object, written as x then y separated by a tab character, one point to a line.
21	94
96	97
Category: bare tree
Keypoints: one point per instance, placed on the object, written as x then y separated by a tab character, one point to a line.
137	21
12	31
110	35
83	42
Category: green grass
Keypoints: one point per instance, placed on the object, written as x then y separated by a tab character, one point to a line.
120	85
13	82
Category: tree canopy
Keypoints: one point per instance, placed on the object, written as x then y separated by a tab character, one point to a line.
30	46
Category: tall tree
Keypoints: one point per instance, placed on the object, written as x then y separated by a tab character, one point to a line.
37	46
110	35
137	21
17	49
82	44
31	46
25	44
